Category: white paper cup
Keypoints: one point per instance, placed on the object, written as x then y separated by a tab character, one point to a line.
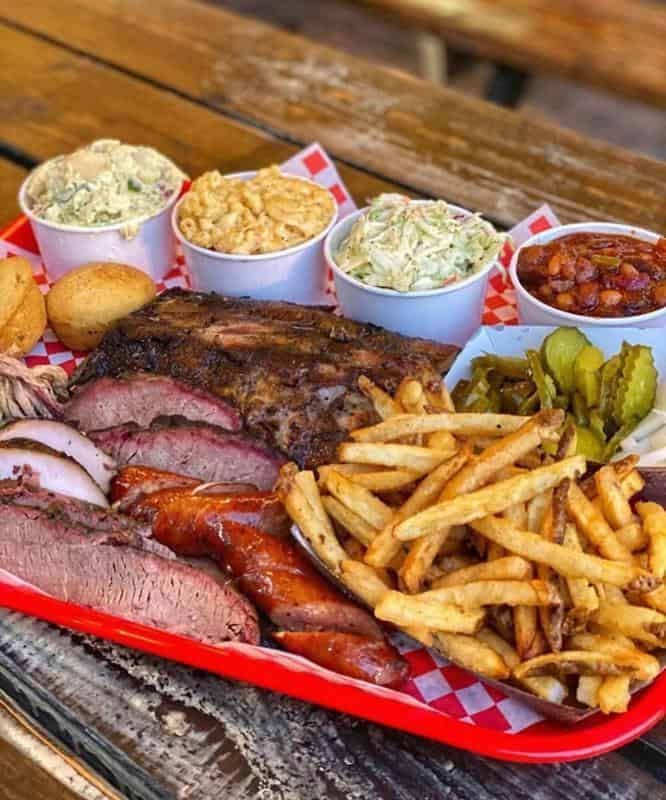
533	312
297	274
63	247
450	314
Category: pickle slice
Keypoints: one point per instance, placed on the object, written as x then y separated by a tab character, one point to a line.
559	352
544	383
588	444
586	373
636	385
609	377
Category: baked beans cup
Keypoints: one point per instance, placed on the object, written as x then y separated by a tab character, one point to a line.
450	314
532	311
296	274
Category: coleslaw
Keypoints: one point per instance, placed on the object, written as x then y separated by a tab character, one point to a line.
412	246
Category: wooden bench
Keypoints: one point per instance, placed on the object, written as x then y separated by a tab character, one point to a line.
617	45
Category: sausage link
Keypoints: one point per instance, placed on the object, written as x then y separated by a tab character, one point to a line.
359	657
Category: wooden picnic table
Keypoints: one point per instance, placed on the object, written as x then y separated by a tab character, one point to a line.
616	45
212	89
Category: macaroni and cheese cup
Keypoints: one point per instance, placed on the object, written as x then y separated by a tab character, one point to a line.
296	274
450	314
63	247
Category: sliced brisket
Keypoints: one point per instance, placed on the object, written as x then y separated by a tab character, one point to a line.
195	449
291	371
106	570
140	398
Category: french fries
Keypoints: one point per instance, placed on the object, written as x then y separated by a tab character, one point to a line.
615	505
363	581
477	535
502	569
471	653
411	610
300	496
359	500
654	522
573	662
389	480
407	456
613	694
592	523
354	524
567	562
495	593
587	691
489	500
383	403
400	425
637	622
584	599
386	546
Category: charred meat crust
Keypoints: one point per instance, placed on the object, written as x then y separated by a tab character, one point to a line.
291	371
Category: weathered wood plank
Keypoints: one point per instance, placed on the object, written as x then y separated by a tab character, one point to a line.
617	45
31	771
199	736
11	176
63	100
433	139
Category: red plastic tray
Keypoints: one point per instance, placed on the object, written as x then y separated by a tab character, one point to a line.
541	743
544	743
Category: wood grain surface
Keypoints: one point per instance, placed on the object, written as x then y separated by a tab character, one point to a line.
431	139
617	45
33	765
193	735
65	100
11	176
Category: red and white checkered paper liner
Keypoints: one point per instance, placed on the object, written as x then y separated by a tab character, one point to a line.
441	685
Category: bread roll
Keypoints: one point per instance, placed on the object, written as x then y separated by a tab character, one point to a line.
15	279
86	302
26	325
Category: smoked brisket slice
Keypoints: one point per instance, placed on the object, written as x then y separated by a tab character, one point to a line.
194	449
110	571
291	371
140	398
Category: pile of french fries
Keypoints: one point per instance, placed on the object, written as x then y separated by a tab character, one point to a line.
477	535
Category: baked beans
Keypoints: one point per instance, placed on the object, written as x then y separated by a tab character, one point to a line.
596	274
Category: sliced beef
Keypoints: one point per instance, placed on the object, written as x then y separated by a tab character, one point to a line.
292	371
194	449
103	570
141	398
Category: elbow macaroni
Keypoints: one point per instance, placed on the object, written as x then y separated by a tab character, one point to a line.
267	213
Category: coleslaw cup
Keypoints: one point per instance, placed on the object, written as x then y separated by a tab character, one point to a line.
296	274
63	247
450	314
